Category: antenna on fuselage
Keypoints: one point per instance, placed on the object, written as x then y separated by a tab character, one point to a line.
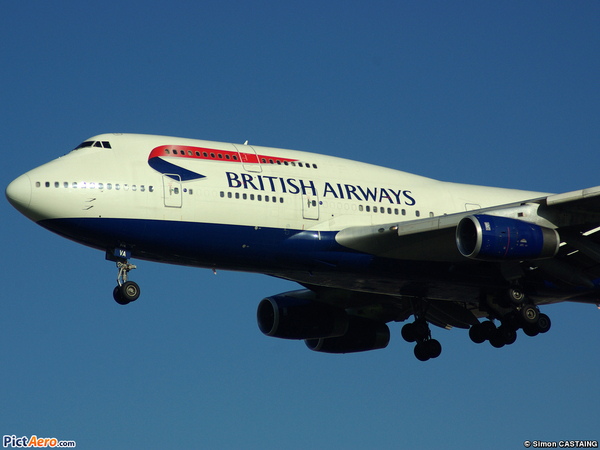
246	143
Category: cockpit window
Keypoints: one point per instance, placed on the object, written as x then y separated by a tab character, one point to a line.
99	144
85	144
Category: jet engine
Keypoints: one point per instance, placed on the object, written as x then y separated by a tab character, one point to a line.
488	237
362	335
295	315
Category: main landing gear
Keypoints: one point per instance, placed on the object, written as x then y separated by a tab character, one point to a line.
126	291
419	332
520	315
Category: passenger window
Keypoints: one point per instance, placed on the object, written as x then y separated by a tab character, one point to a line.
314	166
280	199
109	186
47	184
66	184
117	186
142	188
244	196
403	212
360	207
190	153
374	208
389	210
229	195
126	187
259	197
266	198
368	208
92	185
56	184
167	152
75	184
237	195
222	194
205	154
134	188
417	213
197	153
100	185
176	190
251	196
300	164
151	188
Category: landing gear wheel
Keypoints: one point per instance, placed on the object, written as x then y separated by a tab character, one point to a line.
420	329
531	329
497	340
508	333
408	332
516	295
530	314
543	324
434	348
421	351
118	297
130	291
475	334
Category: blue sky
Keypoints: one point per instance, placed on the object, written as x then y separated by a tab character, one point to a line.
501	94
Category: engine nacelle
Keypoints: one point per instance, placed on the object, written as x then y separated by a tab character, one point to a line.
294	315
362	335
487	237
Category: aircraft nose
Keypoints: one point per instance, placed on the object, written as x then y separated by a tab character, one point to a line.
18	193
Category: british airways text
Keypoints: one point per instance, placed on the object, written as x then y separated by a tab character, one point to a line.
331	190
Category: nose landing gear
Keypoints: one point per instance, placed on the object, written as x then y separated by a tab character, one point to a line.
126	291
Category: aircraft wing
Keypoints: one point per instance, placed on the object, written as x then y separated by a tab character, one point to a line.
574	215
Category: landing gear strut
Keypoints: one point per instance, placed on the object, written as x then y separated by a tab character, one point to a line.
125	291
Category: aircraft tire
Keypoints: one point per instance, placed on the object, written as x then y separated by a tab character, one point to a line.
476	335
497	339
434	348
421	352
530	314
543	323
531	330
408	332
130	291
516	296
508	333
118	297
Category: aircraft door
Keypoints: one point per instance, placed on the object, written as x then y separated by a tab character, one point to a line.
172	190
310	206
249	158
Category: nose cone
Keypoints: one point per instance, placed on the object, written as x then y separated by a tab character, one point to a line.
18	193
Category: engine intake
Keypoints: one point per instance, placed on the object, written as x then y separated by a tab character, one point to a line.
294	315
500	238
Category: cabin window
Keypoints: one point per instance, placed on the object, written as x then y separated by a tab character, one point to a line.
197	153
314	166
98	144
205	154
66	184
222	194
56	184
151	188
417	213
229	195
237	195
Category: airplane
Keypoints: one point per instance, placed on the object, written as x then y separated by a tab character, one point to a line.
369	245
